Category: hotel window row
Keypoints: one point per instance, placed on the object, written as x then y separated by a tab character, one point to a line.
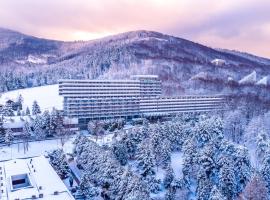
139	96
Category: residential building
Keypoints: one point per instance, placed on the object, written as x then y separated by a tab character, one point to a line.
16	123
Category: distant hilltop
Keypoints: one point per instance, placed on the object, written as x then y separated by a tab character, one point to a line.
185	67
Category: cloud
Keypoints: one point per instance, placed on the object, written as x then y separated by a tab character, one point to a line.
226	23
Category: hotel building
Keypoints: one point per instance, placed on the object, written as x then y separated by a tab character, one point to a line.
140	96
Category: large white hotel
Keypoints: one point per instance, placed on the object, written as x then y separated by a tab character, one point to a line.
139	96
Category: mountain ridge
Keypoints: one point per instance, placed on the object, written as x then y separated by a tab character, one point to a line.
27	61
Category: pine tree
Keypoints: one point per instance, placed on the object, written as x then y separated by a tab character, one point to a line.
87	188
53	121
265	171
18	112
9	136
27	111
209	129
35	108
120	152
165	152
46	122
216	194
60	130
204	185
206	159
242	168
20	102
59	163
26	134
136	189
262	145
190	158
227	179
2	131
170	194
145	159
38	128
234	124
169	177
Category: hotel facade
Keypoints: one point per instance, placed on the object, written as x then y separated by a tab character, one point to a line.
140	96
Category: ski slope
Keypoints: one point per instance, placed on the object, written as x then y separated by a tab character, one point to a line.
46	96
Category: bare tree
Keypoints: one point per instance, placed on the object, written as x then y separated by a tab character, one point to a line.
255	189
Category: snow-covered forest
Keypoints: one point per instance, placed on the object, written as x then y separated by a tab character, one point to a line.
191	157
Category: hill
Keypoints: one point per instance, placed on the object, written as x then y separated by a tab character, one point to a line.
46	96
184	66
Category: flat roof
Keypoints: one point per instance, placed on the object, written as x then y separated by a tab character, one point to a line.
144	76
111	80
98	80
44	180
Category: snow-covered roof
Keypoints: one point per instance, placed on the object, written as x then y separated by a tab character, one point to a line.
218	61
249	79
16	121
230	78
43	180
263	81
144	76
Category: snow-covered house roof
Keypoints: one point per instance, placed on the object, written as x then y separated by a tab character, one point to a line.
16	121
31	178
218	62
264	81
230	78
249	79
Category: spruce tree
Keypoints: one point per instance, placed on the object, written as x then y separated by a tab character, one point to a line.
2	130
35	108
59	163
120	152
39	128
145	159
26	134
227	179
169	177
27	111
216	194
9	136
265	171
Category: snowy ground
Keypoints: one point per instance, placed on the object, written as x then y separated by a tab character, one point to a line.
46	96
177	164
38	148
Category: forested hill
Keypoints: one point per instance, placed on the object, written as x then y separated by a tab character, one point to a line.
184	66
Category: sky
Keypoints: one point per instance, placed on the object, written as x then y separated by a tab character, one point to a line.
242	25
